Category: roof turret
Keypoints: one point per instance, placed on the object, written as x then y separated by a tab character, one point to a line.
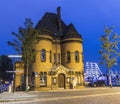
71	29
71	32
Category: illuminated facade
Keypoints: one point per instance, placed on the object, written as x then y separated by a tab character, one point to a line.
59	58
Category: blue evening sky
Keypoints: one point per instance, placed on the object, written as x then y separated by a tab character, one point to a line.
88	16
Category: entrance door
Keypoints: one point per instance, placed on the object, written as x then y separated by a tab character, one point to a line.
61	80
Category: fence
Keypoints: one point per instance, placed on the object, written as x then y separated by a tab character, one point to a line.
4	88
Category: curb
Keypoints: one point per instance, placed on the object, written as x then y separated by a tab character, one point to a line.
15	100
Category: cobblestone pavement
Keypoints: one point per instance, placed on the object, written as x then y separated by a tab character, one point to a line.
85	96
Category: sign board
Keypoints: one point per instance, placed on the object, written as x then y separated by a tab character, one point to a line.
14	71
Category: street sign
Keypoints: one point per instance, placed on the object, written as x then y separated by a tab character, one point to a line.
14	71
15	56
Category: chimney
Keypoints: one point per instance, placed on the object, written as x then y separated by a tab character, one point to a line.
59	19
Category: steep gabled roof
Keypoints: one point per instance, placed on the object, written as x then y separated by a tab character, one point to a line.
50	22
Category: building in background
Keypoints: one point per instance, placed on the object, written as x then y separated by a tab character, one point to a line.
59	59
92	72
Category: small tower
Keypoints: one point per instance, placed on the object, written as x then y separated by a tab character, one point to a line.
72	53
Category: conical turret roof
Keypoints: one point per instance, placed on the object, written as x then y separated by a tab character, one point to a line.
71	32
71	29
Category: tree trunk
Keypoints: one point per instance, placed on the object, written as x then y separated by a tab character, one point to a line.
26	79
109	78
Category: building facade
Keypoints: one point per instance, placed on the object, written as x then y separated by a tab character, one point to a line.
59	58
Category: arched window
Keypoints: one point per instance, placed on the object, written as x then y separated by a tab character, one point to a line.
76	56
79	73
43	55
76	73
43	79
68	57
